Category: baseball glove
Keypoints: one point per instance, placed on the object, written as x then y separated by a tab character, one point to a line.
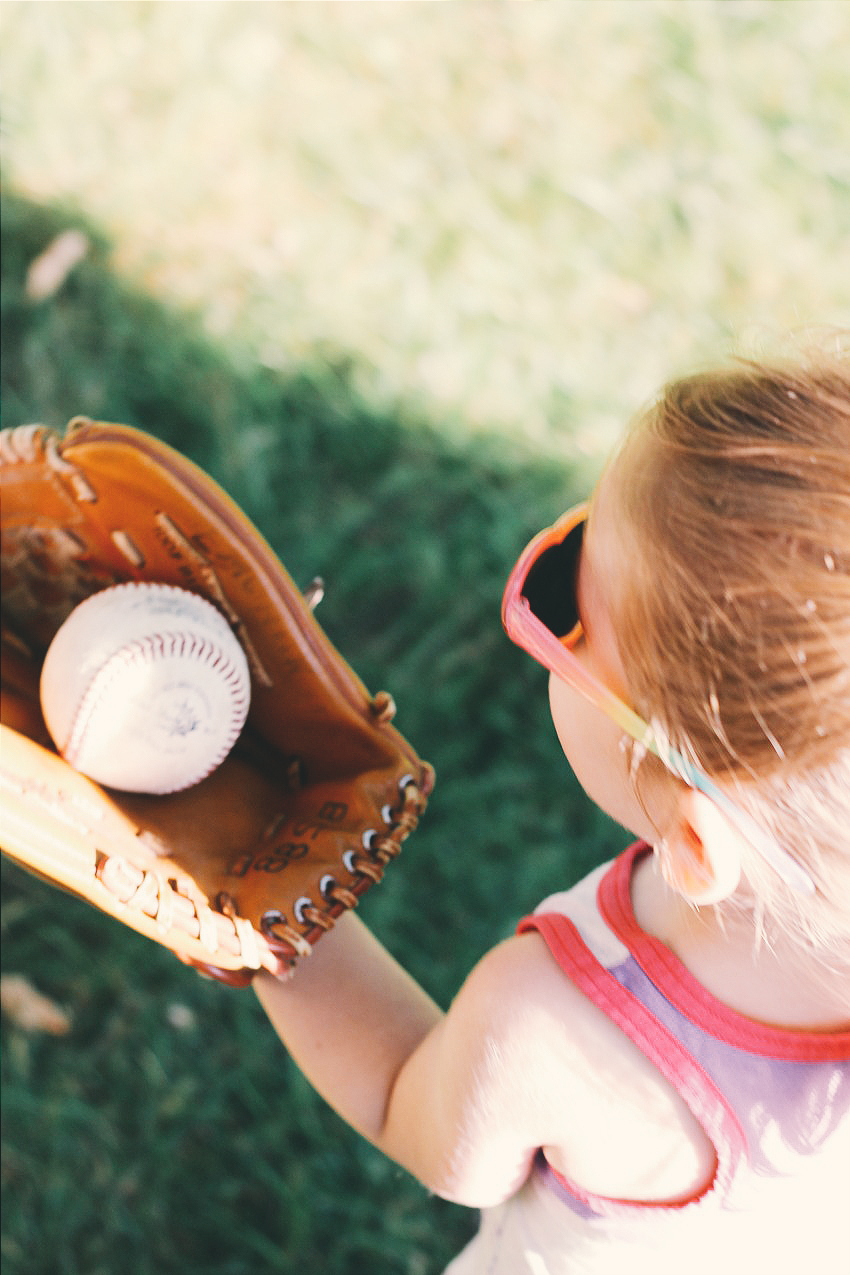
248	868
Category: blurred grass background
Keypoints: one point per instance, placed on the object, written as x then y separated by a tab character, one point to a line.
395	274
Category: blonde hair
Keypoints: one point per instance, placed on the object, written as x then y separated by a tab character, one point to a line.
734	632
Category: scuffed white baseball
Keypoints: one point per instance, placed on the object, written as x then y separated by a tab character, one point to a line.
145	688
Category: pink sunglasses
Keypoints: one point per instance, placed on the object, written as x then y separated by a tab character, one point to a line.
540	614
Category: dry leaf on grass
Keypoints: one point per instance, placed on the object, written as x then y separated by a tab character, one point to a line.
29	1009
49	270
181	1017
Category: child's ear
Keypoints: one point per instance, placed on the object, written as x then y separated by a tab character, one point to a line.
704	851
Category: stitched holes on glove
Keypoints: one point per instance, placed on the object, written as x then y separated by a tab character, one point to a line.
300	908
380	847
306	913
359	866
412	806
326	884
279	932
270	920
332	892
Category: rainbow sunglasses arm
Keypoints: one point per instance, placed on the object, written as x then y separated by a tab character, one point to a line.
523	628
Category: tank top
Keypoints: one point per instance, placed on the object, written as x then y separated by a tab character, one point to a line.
774	1102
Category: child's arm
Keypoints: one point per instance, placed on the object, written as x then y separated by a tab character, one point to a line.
429	1089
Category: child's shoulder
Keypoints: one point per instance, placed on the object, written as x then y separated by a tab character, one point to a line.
579	1077
530	1003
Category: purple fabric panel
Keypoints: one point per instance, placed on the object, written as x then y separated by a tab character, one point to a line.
802	1101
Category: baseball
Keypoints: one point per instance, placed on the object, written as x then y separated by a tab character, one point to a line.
145	688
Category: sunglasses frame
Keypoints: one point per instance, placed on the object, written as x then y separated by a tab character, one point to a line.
534	637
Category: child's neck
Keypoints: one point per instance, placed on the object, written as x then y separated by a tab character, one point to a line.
775	985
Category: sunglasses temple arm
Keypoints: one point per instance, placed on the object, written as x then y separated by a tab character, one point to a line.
523	628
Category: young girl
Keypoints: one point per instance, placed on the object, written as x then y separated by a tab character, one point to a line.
653	1075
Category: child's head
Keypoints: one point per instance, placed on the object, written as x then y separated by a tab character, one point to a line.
733	623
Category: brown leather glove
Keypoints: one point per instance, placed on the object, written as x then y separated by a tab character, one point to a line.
248	868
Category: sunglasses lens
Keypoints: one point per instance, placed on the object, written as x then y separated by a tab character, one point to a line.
550	586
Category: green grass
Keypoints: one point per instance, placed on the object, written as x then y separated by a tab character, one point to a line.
134	1145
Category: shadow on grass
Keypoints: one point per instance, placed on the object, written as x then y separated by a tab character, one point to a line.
136	1145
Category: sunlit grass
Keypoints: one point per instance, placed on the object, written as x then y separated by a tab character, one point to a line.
522	215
